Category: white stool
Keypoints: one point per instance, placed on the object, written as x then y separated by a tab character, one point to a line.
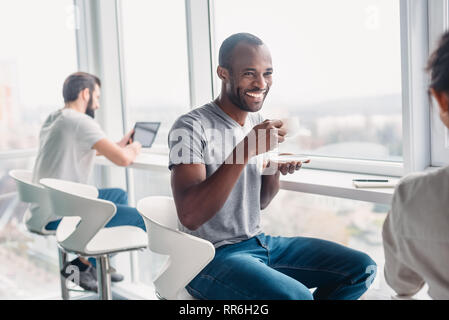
188	255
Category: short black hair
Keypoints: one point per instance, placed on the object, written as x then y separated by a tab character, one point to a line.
77	82
438	66
227	47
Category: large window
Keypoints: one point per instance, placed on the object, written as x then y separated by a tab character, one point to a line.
156	77
354	224
29	269
38	51
337	66
155	62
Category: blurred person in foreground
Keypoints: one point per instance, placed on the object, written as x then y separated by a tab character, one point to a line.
69	140
416	231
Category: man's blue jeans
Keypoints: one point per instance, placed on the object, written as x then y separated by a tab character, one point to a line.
271	268
125	215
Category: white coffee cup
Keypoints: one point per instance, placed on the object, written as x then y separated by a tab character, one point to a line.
291	125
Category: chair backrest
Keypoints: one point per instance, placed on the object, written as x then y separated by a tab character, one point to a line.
40	214
188	255
83	214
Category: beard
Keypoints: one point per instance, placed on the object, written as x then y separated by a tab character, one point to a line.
237	98
89	110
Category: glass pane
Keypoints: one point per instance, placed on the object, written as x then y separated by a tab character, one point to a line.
151	183
337	66
30	266
155	62
38	51
354	224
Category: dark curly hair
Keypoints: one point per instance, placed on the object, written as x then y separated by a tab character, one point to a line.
438	66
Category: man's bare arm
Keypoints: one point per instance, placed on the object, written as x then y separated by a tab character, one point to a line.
122	143
118	155
270	188
271	183
198	198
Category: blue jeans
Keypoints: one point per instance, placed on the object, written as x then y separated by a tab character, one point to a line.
125	215
272	268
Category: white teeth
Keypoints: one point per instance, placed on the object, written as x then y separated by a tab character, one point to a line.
254	95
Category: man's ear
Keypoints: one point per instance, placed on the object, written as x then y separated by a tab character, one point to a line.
85	94
223	73
442	99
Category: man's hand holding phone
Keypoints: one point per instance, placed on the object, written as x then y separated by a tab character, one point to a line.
127	139
135	146
127	143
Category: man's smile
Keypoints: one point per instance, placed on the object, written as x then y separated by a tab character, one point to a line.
257	96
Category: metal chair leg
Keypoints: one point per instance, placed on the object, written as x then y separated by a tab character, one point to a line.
104	278
62	257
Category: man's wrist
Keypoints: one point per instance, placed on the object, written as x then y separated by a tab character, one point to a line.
274	176
240	154
250	151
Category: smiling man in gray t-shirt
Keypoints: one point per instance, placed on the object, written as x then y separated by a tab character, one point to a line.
221	183
240	212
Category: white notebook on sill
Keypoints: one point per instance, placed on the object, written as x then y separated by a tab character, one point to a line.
389	184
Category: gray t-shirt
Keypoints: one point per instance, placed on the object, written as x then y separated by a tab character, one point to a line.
65	146
207	135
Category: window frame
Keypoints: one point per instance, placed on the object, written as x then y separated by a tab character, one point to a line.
421	22
438	24
432	16
418	122
415	111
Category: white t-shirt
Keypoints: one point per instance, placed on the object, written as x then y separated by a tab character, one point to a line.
65	146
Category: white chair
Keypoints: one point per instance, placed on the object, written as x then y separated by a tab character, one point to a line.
82	231
188	255
36	221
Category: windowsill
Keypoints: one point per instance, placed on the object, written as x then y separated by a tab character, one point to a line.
337	184
313	181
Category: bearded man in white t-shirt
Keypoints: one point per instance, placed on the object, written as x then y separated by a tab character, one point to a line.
69	140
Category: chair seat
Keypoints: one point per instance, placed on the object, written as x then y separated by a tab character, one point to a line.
115	239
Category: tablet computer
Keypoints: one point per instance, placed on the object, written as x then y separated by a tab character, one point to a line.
145	133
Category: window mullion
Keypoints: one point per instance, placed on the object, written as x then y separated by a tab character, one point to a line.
415	102
199	50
